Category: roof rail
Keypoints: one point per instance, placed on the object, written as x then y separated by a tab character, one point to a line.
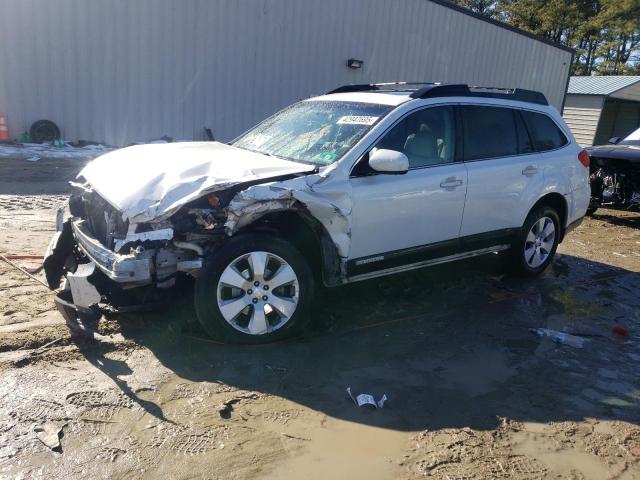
461	90
389	86
353	88
434	90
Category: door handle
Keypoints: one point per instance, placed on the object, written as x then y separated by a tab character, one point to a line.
451	183
530	170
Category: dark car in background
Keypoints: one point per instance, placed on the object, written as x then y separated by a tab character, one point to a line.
615	174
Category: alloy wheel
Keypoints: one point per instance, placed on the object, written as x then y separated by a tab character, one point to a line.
258	293
539	242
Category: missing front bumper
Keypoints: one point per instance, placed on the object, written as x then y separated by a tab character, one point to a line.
119	268
98	279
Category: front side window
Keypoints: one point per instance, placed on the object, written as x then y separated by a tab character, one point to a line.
546	134
313	131
489	132
426	137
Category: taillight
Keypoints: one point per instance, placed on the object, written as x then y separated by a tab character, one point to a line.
583	156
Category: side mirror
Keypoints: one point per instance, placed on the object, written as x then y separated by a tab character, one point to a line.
388	161
614	140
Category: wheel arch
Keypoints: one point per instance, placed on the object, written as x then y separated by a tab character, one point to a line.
558	202
299	227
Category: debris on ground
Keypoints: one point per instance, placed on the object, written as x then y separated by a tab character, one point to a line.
367	399
620	331
49	434
226	407
560	337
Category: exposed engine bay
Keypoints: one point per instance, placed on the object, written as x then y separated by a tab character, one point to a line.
97	250
615	183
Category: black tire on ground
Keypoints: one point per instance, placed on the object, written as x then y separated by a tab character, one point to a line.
206	302
44	131
518	263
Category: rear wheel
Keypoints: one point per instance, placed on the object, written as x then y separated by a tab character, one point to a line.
536	246
255	289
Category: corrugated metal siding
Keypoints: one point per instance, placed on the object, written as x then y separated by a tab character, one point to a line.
619	119
603	85
582	114
121	71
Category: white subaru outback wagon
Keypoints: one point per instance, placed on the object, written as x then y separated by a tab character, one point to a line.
365	181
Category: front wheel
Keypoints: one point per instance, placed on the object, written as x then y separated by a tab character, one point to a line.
255	289
535	248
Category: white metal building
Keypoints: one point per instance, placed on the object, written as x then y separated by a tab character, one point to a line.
119	71
599	108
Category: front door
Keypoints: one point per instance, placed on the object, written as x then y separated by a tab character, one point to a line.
402	219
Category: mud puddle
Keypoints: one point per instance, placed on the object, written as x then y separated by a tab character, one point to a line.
344	450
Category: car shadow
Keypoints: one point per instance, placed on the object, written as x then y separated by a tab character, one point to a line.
450	346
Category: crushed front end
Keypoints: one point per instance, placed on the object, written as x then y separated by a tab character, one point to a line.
98	259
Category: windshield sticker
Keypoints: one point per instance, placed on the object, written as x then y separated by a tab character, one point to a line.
259	140
328	157
357	120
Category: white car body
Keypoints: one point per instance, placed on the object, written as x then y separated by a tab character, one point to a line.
372	224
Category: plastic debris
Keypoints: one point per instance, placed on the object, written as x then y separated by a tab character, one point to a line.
49	434
620	331
367	399
559	337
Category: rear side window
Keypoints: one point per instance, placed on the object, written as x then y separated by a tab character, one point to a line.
546	134
489	132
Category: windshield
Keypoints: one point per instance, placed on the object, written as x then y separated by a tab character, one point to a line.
313	131
632	139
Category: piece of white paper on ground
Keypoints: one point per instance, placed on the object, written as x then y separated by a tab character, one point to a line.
49	434
367	399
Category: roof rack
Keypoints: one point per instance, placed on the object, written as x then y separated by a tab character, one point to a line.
389	86
434	90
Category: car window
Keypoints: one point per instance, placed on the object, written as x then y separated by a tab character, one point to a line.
632	139
546	134
313	131
489	132
426	137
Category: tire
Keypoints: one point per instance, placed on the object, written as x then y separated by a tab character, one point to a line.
44	131
285	311
591	210
532	252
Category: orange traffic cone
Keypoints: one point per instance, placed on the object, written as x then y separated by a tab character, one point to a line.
4	131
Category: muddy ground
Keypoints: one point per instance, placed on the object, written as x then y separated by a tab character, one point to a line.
471	392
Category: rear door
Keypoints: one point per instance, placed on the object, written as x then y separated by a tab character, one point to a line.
504	171
563	173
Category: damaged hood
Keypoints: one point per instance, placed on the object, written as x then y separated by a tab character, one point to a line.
619	152
150	182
